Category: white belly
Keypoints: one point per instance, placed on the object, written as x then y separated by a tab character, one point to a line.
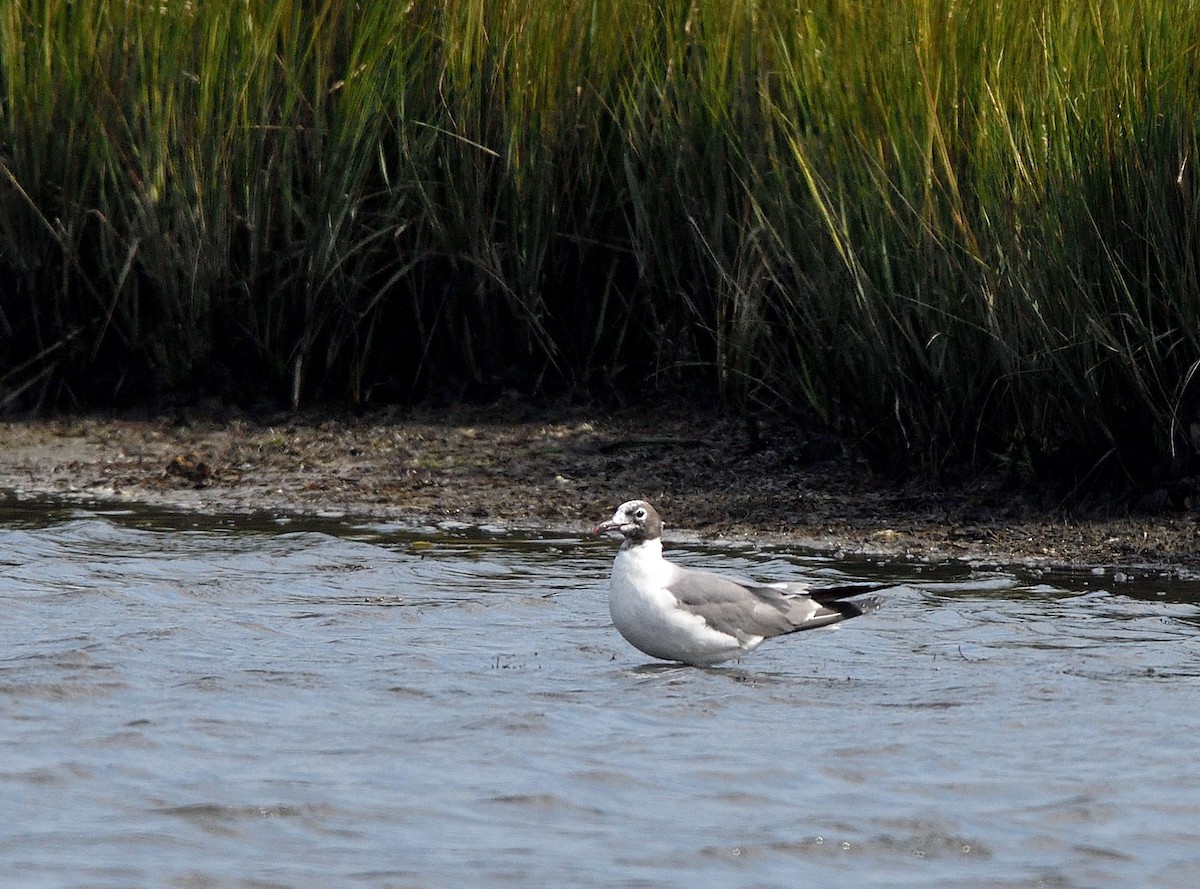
650	618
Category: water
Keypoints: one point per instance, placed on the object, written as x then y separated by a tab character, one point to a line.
192	702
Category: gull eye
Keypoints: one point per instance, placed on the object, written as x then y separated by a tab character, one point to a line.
640	513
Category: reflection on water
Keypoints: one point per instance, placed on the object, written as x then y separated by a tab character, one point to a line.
236	702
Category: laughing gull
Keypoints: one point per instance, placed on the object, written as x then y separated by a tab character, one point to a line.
700	618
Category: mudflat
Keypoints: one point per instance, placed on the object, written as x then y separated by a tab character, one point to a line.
525	466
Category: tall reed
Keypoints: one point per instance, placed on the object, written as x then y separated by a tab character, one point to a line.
947	230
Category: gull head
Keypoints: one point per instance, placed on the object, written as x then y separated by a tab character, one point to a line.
637	520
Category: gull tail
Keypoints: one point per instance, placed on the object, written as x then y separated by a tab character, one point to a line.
843	602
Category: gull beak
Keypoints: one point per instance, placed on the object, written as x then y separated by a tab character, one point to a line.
610	525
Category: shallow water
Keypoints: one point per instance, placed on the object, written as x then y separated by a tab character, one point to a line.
237	702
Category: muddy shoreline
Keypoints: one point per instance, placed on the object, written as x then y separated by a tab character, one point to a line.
524	466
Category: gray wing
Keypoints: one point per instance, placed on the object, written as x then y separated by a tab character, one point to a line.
743	609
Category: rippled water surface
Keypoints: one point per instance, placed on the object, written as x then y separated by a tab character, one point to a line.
235	702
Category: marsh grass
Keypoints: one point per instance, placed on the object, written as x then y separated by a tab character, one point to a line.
949	232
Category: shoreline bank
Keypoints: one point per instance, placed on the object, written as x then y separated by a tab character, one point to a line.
526	468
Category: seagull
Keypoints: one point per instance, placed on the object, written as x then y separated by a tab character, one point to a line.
700	618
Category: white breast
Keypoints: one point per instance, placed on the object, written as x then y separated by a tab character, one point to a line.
646	613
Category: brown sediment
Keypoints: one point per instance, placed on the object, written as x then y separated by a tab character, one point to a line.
525	466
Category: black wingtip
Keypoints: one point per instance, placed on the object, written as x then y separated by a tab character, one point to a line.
849	608
830	594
